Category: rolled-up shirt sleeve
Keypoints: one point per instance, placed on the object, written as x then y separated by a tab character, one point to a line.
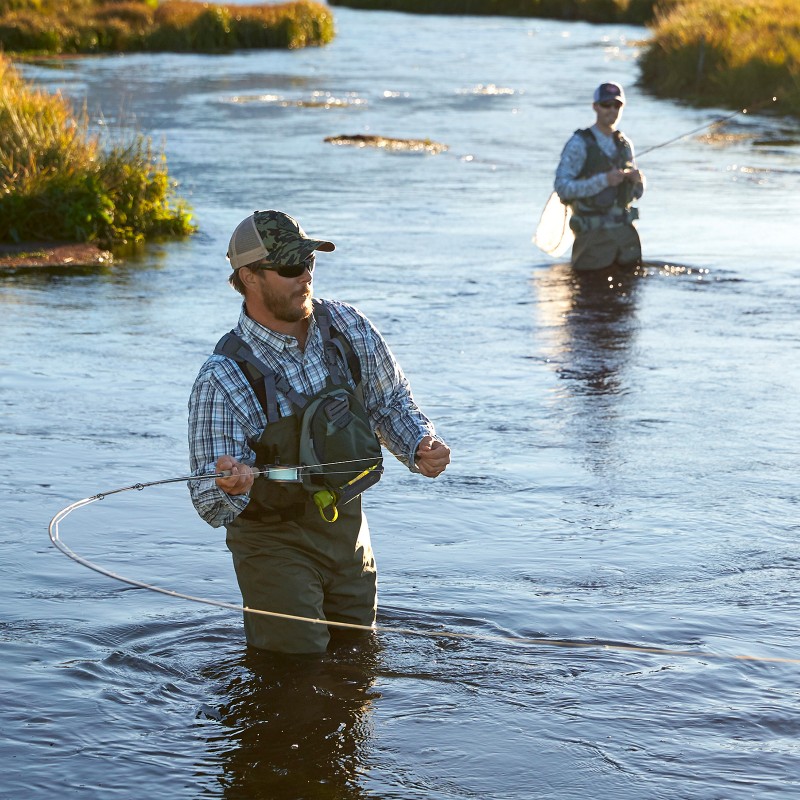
217	427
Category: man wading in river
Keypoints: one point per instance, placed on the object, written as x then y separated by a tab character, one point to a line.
303	392
597	177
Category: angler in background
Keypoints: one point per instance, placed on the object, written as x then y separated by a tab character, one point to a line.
294	406
598	179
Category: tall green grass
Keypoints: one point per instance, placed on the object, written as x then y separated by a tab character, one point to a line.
59	182
728	52
86	26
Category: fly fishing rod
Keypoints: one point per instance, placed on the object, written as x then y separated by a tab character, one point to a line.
281	473
55	538
699	128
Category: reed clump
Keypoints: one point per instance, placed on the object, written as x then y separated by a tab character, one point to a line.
101	26
58	181
739	53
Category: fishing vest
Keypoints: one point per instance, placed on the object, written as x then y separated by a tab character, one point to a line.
613	202
325	451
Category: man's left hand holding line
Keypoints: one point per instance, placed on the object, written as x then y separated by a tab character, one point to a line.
432	457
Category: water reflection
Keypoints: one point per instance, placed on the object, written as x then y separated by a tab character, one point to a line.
589	321
298	727
588	326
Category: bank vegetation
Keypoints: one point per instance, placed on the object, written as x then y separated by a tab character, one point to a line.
119	26
59	181
736	53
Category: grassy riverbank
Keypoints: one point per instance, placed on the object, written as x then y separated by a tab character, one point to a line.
738	53
60	182
94	26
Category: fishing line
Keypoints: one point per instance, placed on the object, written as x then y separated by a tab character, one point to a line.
55	538
703	127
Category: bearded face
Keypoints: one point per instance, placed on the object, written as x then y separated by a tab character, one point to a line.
287	299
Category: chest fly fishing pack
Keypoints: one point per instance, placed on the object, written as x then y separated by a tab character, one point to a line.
325	448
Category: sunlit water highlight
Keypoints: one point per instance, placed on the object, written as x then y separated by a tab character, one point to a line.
625	459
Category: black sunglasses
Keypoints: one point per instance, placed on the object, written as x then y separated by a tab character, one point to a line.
289	270
610	104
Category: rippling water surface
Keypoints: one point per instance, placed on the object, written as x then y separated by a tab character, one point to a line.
625	457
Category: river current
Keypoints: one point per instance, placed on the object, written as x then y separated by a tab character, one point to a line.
624	481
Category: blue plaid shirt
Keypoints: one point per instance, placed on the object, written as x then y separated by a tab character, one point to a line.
224	412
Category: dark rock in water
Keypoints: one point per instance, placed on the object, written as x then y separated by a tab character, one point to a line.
52	254
386	143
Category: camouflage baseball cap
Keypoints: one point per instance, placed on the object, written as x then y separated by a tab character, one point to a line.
272	235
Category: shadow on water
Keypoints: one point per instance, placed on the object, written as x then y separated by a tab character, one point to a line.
297	726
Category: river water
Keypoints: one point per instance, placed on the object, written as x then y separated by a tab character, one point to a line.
625	465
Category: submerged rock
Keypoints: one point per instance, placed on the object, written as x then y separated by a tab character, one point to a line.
52	254
386	143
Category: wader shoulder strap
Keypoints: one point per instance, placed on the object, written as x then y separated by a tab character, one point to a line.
588	138
336	344
596	158
329	349
265	382
259	375
623	145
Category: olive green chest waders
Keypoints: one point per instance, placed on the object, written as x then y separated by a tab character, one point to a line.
603	223
291	554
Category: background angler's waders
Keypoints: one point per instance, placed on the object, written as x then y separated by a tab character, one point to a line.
604	247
